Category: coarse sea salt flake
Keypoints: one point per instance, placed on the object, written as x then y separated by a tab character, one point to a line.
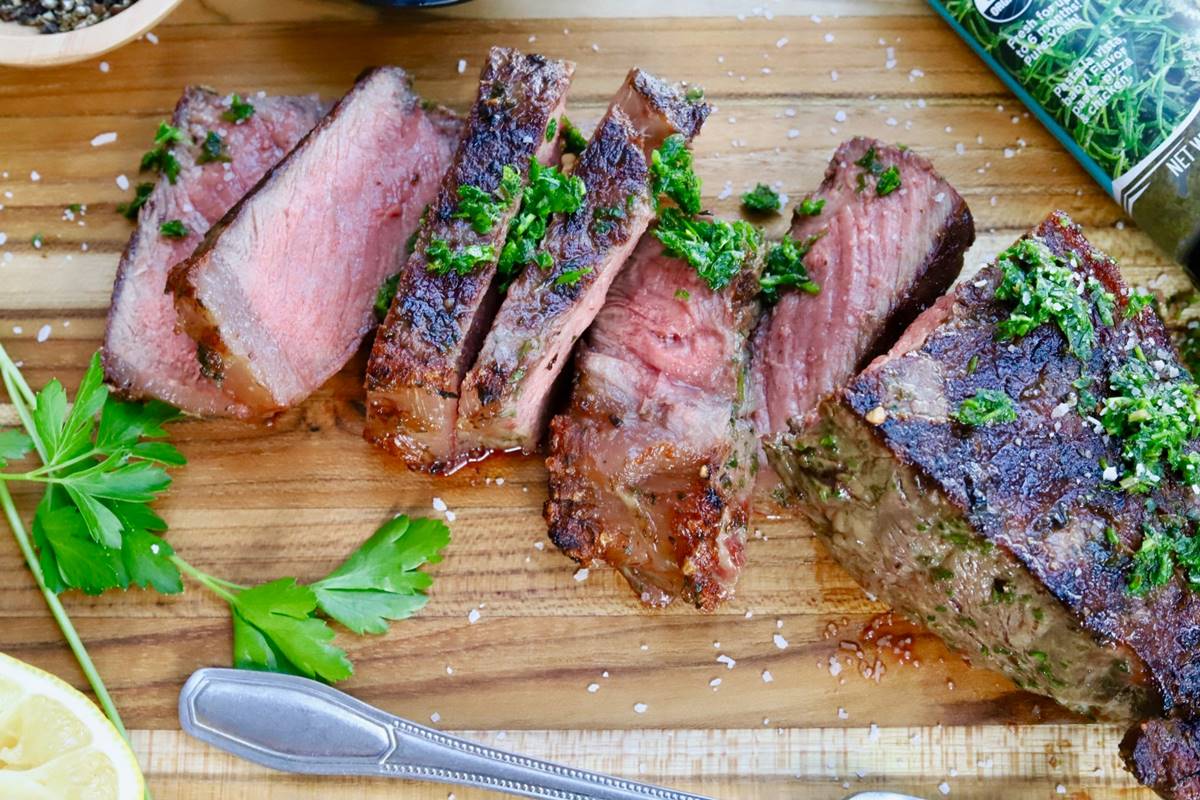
43	333
123	182
439	504
473	617
101	139
780	642
640	708
767	677
462	66
944	787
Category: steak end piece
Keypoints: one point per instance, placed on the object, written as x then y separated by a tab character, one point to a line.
280	293
438	321
144	355
651	468
879	259
1008	540
1164	754
506	395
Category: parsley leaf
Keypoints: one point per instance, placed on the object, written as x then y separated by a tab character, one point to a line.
762	199
889	181
574	141
239	110
551	130
671	174
811	207
159	158
385	296
212	149
717	249
1137	301
785	268
549	192
173	229
274	629
140	195
484	209
986	407
381	580
572	276
442	260
13	445
694	94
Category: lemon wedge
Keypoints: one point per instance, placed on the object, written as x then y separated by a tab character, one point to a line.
55	744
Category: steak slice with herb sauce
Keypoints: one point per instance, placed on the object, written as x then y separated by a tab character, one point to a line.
651	468
144	355
887	239
446	296
281	292
506	395
997	476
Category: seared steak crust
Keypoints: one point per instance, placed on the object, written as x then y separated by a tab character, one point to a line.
998	536
506	395
144	355
1164	754
651	468
437	321
280	293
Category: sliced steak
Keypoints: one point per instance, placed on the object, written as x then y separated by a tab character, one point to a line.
880	260
280	293
144	355
1015	540
651	468
439	318
1164	754
506	395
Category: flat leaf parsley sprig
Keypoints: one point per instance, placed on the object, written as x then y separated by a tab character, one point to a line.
103	462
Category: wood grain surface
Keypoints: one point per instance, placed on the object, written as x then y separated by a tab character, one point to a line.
790	81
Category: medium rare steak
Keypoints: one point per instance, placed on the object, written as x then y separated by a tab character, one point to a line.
651	467
506	395
144	355
439	316
1047	531
880	258
281	291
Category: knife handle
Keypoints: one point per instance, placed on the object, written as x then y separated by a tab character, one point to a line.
298	725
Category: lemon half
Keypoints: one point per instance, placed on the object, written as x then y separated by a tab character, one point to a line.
55	744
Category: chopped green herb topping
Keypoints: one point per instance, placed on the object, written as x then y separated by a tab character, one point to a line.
549	192
212	149
671	174
551	129
1046	289
571	276
1164	547
574	141
871	166
1137	301
986	407
173	229
385	295
683	294
1156	417
239	110
716	248
442	260
889	181
762	199
37	240
785	269
484	209
811	207
140	195
694	94
159	158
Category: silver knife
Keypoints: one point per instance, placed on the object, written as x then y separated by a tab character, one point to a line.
298	725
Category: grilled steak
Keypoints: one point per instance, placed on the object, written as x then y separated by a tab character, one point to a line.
1164	754
651	467
1026	542
280	293
439	317
506	395
144	355
879	261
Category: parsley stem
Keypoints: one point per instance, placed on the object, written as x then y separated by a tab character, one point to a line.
204	579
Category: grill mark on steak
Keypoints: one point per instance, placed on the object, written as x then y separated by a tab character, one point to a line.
281	291
1023	502
144	355
651	468
437	323
880	261
506	395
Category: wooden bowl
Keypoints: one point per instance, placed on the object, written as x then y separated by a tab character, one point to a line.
24	46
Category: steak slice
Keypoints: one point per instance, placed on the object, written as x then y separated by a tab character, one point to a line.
438	320
280	293
880	260
1012	541
144	355
651	468
1164	754
506	395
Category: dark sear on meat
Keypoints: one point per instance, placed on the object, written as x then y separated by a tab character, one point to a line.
506	395
438	320
281	292
880	259
1018	541
144	355
651	468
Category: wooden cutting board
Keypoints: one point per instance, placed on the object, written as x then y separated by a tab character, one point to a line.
556	660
